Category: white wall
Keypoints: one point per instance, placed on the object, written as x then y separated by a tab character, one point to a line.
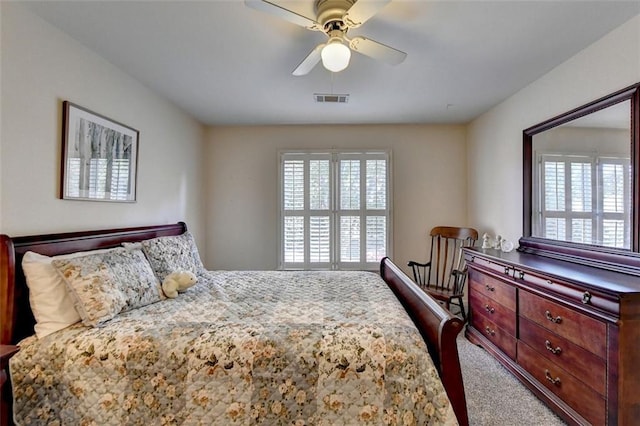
584	140
495	138
41	67
429	185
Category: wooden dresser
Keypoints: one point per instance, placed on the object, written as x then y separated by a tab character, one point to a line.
569	332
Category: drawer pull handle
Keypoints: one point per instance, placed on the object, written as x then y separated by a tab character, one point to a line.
488	287
490	331
489	309
586	297
556	320
555	351
555	381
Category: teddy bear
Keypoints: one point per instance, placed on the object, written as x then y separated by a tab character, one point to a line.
178	282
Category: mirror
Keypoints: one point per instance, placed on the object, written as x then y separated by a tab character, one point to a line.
581	181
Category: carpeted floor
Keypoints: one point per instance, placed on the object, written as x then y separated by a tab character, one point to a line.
494	395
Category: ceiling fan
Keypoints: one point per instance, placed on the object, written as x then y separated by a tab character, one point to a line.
335	18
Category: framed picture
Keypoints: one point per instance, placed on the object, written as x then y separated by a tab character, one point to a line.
99	157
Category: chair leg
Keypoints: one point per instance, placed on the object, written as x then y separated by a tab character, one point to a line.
464	316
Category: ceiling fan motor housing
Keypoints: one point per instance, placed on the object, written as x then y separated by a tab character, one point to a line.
331	12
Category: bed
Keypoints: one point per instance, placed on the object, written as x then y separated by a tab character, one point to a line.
184	364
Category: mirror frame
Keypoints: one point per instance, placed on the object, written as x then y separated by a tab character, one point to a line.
622	260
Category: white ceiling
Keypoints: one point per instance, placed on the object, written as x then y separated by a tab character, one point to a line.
227	64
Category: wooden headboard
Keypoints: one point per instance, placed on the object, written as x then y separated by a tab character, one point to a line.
16	318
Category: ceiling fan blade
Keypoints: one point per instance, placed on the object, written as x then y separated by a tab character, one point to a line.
309	62
286	14
362	10
376	50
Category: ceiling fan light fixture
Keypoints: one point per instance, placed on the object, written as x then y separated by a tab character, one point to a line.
335	55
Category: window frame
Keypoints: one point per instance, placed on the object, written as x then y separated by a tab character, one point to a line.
334	212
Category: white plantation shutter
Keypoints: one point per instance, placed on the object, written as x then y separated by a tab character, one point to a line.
554	185
586	199
613	233
305	210
376	238
616	202
120	179
555	228
294	239
319	184
73	185
98	177
335	210
376	202
376	184
294	185
581	187
349	239
349	184
581	230
613	187
319	239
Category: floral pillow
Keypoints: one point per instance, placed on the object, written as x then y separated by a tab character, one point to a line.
174	253
105	284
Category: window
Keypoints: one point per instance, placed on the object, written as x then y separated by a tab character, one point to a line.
335	209
587	199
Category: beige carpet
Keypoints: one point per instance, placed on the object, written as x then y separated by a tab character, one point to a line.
494	395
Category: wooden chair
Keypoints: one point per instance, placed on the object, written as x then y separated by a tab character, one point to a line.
445	274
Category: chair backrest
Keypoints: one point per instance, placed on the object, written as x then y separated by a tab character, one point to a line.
446	257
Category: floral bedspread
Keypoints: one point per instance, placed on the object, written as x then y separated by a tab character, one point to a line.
274	348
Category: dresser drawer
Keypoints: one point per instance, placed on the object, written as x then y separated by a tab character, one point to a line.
579	362
497	290
577	295
500	315
578	328
497	336
584	400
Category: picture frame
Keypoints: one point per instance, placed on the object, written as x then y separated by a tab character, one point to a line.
99	157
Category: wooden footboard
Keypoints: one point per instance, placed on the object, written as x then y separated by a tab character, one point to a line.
438	327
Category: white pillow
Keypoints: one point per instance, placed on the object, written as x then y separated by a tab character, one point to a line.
50	301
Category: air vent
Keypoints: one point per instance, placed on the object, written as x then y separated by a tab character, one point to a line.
336	99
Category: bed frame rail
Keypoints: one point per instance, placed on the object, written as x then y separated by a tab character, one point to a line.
439	329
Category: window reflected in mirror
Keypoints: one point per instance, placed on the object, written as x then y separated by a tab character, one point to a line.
582	180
